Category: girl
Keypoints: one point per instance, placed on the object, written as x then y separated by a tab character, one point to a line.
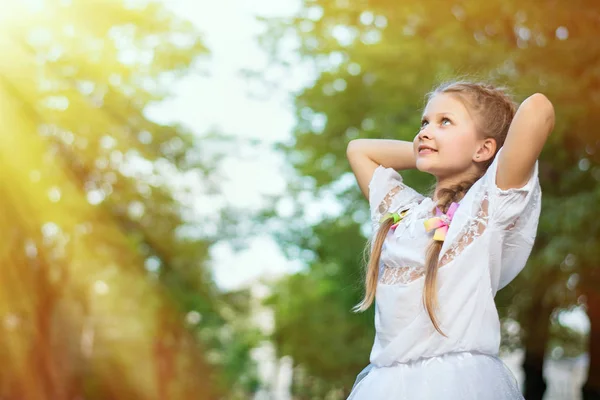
437	262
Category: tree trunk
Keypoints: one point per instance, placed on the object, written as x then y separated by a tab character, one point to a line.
537	332
591	388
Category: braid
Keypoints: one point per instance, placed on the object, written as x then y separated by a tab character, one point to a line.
446	196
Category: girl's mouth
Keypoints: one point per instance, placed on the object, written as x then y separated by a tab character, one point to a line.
426	151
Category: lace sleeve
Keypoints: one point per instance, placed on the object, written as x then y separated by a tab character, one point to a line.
387	193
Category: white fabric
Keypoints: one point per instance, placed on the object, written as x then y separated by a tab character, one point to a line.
487	245
452	376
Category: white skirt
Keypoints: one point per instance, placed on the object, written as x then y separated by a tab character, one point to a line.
452	376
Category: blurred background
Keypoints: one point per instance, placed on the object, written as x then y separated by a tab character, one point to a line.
178	219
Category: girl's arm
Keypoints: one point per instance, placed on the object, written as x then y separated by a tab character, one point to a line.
365	155
526	137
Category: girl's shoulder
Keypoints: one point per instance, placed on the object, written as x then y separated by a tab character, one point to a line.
506	207
388	193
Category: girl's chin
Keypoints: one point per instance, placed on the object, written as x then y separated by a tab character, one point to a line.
424	165
428	167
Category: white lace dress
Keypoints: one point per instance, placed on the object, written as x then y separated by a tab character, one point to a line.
486	246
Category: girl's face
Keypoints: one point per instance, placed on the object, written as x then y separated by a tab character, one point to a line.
447	143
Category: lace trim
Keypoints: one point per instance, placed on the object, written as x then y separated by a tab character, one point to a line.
477	225
472	230
400	275
403	275
386	203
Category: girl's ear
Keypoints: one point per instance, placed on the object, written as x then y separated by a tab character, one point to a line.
485	150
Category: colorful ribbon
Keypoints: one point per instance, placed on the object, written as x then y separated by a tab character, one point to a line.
397	218
441	222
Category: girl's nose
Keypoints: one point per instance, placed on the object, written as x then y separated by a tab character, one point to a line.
424	133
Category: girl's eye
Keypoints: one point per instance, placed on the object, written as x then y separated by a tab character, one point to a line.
444	120
423	123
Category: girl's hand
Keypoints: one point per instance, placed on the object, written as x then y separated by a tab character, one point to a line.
365	155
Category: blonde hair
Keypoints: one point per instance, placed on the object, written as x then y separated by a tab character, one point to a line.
493	110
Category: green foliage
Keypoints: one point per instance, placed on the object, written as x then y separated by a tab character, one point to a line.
312	310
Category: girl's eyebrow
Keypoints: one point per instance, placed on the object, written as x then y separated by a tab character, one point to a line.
438	114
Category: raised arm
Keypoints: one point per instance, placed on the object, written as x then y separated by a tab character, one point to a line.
527	135
364	155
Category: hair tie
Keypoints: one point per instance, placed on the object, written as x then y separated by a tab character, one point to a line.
396	217
441	222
